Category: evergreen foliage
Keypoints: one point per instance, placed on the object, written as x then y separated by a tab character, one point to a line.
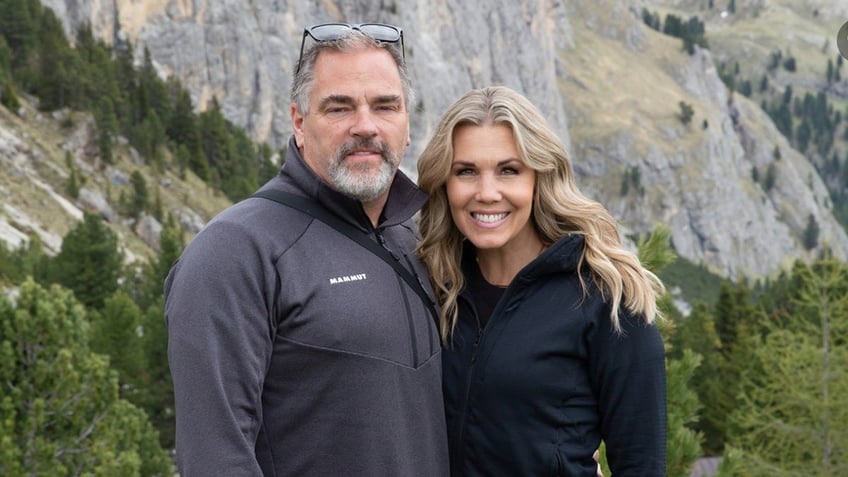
154	390
789	64
771	177
723	337
171	244
691	31
115	333
632	180
60	405
156	116
25	261
683	442
757	376
140	199
772	380
696	334
155	393
19	28
686	112
695	283
809	120
89	262
811	233
107	125
793	400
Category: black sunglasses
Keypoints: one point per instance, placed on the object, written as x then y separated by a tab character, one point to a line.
333	31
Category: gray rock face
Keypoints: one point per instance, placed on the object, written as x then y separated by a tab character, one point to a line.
244	54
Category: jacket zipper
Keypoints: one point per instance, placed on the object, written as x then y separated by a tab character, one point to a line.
433	329
467	396
413	337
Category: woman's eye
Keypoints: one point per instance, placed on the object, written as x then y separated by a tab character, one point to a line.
510	171
463	171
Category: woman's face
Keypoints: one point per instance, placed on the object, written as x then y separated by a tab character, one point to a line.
489	189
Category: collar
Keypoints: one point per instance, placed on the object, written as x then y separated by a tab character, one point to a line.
404	200
562	256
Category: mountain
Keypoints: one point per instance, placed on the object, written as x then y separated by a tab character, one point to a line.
614	88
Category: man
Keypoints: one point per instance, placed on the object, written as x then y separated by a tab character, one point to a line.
294	350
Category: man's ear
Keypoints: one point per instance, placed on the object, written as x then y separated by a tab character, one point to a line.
297	124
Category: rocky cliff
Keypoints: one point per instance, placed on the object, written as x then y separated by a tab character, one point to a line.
610	85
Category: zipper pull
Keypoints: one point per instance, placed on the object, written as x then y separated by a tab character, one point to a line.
382	242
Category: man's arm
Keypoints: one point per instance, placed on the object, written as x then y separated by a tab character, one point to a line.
219	344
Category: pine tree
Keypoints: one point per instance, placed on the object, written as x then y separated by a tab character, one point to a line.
686	112
171	244
98	78
183	130
156	392
8	97
696	333
140	198
811	233
89	262
19	28
60	405
115	333
107	128
217	146
737	323
794	395
684	443
152	90
55	59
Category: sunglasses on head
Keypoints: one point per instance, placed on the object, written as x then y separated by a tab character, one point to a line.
333	31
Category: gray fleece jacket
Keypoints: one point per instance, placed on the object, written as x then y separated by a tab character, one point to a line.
296	352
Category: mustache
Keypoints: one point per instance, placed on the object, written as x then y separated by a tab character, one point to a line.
364	143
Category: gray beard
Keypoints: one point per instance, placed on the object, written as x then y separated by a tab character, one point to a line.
363	186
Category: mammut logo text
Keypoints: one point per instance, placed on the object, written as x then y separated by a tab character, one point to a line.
348	278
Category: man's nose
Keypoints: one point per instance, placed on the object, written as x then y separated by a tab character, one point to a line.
364	124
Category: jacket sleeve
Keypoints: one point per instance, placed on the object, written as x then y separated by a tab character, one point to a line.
628	372
219	345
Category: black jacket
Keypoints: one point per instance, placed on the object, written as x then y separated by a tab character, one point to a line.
535	391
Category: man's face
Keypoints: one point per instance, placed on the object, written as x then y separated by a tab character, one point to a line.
357	127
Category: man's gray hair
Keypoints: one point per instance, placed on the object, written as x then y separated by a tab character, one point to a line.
352	40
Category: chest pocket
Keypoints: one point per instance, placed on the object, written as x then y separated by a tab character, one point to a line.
346	299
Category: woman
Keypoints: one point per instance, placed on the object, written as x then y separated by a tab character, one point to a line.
547	321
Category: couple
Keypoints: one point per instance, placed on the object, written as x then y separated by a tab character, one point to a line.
296	351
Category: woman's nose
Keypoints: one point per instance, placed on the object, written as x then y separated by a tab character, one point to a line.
488	190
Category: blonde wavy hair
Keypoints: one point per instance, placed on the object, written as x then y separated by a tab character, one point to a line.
559	208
